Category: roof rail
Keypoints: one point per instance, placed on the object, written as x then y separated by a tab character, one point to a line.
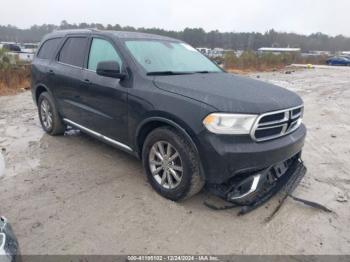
76	29
93	29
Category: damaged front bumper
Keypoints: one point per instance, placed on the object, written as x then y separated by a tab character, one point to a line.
9	249
252	190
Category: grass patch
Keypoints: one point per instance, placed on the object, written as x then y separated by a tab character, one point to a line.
14	76
249	61
14	80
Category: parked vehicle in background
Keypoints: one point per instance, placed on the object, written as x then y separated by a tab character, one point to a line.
339	60
29	47
164	102
12	47
20	52
205	51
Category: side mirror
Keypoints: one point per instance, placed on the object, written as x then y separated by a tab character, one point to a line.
110	69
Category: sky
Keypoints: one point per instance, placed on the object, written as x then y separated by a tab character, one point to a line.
300	16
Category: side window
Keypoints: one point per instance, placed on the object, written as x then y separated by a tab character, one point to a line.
102	50
48	48
73	51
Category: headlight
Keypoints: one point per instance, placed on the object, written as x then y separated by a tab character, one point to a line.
223	123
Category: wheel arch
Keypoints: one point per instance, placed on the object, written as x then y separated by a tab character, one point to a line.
151	123
39	89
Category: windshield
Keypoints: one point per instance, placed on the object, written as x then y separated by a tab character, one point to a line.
157	56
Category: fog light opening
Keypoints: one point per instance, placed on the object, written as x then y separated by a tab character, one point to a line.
245	188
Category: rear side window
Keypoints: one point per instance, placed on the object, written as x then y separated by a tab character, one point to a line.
102	50
73	51
48	48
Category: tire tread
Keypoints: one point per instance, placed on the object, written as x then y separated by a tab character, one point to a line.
196	182
58	125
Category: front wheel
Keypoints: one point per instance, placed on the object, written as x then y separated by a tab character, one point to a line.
50	120
171	164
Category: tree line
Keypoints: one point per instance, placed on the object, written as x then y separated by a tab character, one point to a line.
197	37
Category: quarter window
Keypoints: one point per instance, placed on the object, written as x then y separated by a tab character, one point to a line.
73	51
48	48
102	50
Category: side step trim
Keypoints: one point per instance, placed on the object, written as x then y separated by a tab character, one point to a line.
98	135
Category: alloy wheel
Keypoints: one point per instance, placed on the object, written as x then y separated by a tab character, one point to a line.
166	165
46	114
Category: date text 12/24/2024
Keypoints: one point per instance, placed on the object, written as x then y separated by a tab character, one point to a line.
173	258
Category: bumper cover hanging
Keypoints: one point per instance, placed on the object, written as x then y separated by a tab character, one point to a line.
254	190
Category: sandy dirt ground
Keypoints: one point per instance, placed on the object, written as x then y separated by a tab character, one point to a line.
75	195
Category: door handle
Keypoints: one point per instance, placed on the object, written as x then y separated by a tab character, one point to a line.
87	81
51	72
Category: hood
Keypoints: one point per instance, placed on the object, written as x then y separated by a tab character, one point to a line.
230	93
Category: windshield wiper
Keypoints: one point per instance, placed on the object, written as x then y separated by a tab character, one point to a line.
202	72
205	72
166	73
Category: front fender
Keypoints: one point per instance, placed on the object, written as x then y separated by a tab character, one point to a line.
185	131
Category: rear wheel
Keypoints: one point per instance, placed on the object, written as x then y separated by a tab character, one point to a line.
50	120
171	164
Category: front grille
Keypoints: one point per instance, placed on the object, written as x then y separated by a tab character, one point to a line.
276	124
271	118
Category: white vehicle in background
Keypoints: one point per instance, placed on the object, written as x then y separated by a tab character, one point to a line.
29	47
22	52
215	52
28	51
25	57
205	51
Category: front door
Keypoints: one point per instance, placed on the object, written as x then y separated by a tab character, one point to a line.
105	97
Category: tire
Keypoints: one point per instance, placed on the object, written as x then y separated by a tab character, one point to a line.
56	126
190	182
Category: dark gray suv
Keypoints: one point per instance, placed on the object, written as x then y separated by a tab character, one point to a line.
158	98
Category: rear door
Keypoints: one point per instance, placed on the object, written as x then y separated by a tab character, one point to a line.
42	63
68	76
106	97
